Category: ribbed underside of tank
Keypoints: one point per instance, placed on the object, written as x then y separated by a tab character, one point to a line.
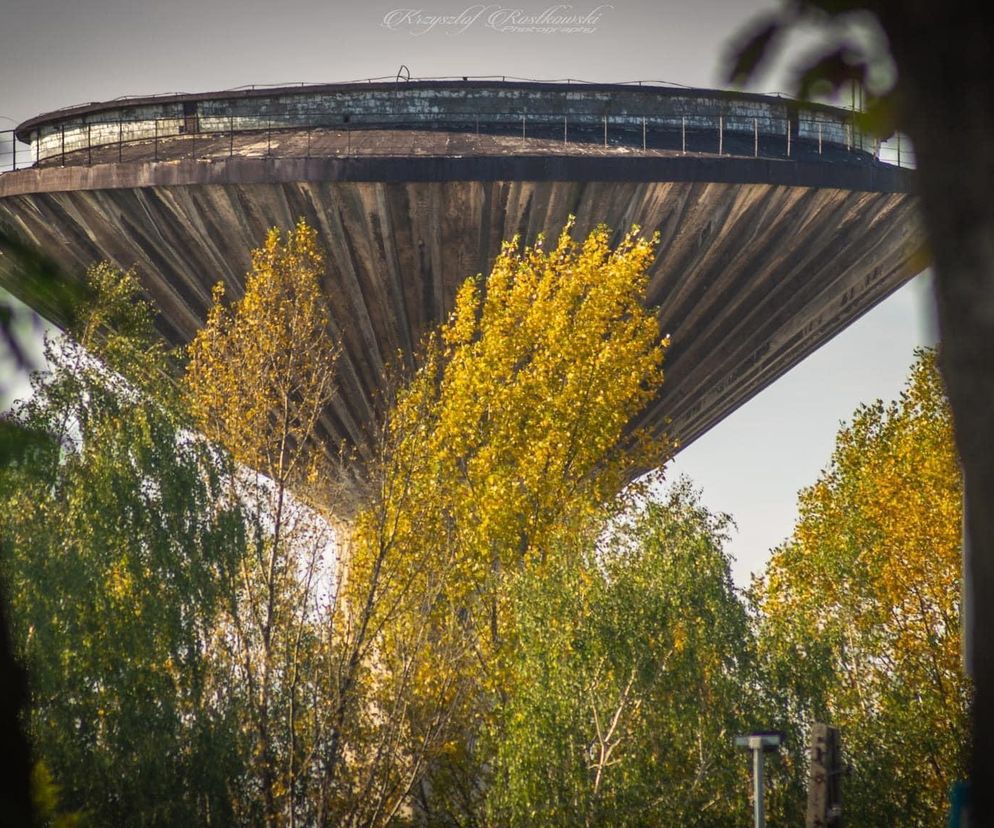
760	262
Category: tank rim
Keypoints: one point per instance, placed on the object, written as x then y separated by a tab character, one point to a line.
24	129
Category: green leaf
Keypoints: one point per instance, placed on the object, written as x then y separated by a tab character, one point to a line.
830	72
749	55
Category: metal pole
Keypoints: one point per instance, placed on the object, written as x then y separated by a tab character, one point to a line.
851	131
757	788
605	130
231	136
120	129
155	141
899	149
759	742
565	126
522	130
721	135
89	145
859	107
819	137
643	134
269	137
788	137
63	145
683	135
755	137
13	150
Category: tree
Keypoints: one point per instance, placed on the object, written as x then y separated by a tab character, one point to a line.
943	98
259	378
632	675
45	286
860	608
299	695
510	435
119	542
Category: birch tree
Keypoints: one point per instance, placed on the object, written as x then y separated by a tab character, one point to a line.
634	672
260	375
860	607
512	433
119	544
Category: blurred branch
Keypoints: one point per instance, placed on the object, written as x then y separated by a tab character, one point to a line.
35	279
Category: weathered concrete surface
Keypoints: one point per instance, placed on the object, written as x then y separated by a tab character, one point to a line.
761	261
778	227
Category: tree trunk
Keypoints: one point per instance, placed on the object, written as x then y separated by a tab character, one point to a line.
15	789
945	61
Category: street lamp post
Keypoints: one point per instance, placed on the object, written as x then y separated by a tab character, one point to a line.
760	742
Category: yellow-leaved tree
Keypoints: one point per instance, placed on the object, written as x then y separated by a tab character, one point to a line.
260	375
511	435
860	609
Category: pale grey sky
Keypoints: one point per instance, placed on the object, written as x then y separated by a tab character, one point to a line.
753	463
55	54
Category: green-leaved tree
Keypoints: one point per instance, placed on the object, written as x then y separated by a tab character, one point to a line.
120	544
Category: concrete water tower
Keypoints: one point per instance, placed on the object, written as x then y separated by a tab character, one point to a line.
779	224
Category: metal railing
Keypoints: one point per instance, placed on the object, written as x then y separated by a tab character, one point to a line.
214	137
401	78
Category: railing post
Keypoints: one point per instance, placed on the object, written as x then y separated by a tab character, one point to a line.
605	130
155	141
755	137
819	137
721	135
193	144
269	137
788	137
63	145
120	129
565	127
899	149
683	135
231	136
13	150
89	145
522	130
643	133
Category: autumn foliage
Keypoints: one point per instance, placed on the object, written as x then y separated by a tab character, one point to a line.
511	434
261	370
861	606
504	633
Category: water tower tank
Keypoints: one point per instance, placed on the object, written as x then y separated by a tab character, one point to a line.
779	223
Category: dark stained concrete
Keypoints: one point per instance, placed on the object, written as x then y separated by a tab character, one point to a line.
761	260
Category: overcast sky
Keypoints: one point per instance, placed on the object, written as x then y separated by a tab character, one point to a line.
55	53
